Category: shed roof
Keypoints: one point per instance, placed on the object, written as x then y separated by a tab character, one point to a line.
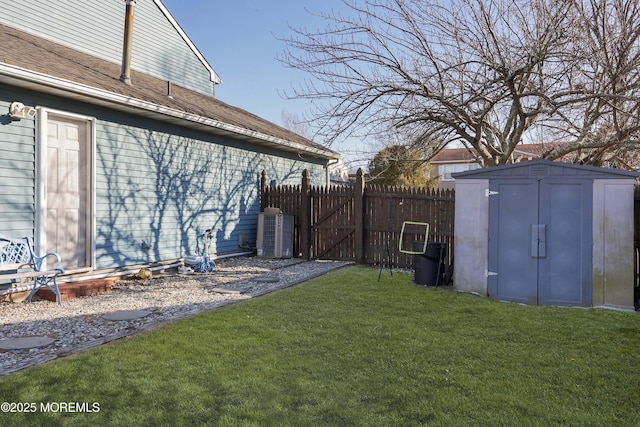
38	64
541	168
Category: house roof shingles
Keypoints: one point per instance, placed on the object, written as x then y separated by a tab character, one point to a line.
35	54
470	155
454	155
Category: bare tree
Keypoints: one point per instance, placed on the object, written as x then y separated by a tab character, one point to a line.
599	114
487	73
295	123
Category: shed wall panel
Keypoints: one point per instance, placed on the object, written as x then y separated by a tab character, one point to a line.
471	231
613	250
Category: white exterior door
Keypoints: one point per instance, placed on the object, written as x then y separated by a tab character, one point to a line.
68	155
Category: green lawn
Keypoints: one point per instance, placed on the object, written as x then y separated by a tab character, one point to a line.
344	349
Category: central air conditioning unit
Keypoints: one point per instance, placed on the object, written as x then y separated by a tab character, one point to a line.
275	235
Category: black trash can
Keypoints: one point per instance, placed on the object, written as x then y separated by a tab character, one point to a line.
429	267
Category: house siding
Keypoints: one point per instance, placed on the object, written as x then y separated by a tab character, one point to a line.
154	183
101	34
166	189
17	175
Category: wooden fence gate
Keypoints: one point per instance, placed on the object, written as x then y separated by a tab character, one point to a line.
332	223
360	223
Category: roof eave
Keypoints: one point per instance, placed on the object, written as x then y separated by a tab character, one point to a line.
39	82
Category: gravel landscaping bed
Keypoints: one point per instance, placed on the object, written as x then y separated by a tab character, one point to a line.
81	323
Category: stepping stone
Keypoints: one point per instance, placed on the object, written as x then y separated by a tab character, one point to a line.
225	291
25	343
267	280
126	315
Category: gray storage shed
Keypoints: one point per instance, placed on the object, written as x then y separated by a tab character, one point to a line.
547	233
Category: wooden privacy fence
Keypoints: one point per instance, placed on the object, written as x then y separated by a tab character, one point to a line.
361	223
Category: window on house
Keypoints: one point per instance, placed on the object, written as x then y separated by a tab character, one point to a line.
445	171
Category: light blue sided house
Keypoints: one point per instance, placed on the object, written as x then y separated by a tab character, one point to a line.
113	159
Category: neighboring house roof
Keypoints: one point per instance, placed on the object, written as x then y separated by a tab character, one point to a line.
536	150
35	63
470	155
454	155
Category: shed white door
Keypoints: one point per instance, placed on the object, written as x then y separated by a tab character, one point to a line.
67	191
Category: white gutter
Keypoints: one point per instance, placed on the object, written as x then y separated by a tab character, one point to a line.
89	93
328	167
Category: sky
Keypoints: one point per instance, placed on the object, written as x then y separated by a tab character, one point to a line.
240	40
